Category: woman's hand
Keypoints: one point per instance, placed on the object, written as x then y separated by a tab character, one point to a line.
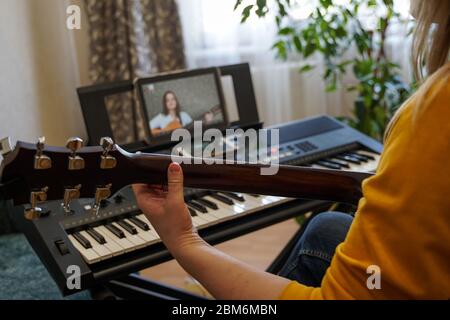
167	212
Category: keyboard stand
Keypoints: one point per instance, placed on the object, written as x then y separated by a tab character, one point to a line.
135	287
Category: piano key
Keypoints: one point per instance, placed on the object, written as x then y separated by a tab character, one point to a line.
262	200
367	166
144	219
133	238
348	159
82	240
207	203
89	255
123	242
369	155
343	164
222	198
148	236
208	216
139	223
196	206
249	202
192	212
128	227
112	246
328	165
101	250
196	220
199	222
97	237
117	232
233	195
357	156
224	210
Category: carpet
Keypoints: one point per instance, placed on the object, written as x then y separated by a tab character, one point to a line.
23	276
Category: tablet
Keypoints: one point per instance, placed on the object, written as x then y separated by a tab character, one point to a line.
176	100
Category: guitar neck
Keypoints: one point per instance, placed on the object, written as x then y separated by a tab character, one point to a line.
289	181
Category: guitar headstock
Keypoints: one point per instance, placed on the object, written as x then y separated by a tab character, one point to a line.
34	173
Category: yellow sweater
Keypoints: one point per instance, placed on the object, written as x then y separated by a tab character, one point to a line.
402	224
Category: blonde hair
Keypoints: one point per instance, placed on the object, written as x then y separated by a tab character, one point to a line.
431	46
433	19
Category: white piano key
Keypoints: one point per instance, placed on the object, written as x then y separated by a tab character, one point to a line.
101	250
89	255
145	235
224	210
208	217
123	242
152	230
247	204
259	201
133	238
112	246
143	218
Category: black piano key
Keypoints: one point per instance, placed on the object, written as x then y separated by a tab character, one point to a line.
357	156
192	212
339	162
128	227
222	198
82	240
348	159
232	195
139	223
208	203
197	206
329	165
97	236
368	156
116	231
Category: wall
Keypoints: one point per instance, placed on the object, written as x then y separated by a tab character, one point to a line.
41	64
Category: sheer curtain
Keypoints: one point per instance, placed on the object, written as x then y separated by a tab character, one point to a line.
214	36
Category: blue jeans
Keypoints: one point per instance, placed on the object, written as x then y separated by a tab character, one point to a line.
312	254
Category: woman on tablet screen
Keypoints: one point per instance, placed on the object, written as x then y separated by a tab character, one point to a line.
171	117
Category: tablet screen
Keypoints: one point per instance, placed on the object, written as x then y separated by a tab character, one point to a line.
176	100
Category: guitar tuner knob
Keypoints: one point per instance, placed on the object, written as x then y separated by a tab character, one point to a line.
36	197
6	146
107	161
41	161
69	195
101	193
75	162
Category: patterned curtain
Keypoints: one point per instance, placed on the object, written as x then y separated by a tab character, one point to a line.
128	39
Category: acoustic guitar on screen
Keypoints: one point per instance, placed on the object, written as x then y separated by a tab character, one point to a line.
206	118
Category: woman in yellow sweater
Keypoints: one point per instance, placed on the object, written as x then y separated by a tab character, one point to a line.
398	244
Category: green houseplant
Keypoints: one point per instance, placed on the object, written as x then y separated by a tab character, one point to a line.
331	30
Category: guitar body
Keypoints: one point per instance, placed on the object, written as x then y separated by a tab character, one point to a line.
173	125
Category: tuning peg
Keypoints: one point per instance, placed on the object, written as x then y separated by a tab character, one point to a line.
36	197
107	161
41	161
69	195
6	146
75	162
101	193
